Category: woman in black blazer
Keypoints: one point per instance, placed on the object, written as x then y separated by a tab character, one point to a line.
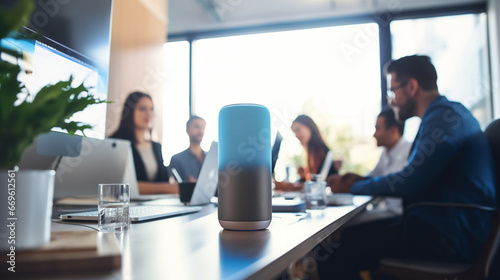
135	126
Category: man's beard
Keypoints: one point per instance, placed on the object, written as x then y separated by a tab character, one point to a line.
405	111
196	139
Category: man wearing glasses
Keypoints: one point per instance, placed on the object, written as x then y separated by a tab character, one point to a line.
450	161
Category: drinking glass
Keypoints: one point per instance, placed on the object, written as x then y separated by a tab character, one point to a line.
113	207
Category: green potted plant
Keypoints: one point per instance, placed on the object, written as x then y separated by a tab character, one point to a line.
21	121
27	194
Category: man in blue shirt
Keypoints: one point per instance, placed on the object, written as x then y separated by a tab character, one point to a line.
450	161
188	162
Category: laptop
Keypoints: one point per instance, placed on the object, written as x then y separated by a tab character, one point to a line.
203	192
204	189
275	151
327	165
103	161
98	161
138	213
206	185
281	204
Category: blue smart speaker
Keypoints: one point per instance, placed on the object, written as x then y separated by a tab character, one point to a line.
244	187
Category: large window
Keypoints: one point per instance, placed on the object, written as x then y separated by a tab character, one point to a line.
176	99
457	46
331	74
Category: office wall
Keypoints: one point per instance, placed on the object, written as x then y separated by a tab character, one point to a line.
494	37
139	29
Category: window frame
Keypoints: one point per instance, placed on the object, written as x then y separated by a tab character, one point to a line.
382	19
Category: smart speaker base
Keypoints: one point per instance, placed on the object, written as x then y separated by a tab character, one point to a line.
252	225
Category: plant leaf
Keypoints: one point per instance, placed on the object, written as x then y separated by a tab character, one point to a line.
12	19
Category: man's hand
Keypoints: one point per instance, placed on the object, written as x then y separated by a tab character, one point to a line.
302	172
352	177
288	186
342	184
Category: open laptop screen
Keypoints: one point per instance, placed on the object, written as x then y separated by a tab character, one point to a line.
275	151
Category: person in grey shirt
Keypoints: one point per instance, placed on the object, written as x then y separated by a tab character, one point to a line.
188	162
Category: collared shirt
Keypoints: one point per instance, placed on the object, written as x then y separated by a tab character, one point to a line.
451	161
390	162
393	160
187	164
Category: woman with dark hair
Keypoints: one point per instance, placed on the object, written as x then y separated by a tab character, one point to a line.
307	132
135	126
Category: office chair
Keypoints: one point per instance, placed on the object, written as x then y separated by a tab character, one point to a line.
406	269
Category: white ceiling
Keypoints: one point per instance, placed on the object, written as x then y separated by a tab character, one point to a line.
186	16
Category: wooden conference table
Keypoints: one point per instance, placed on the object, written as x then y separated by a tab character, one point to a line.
195	246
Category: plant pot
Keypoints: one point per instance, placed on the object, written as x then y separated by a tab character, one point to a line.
25	208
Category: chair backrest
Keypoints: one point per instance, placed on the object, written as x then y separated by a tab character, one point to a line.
492	133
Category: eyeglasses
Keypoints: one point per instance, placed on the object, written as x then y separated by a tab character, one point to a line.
403	84
390	92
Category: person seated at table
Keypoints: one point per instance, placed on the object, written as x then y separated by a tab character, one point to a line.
450	161
308	134
188	162
389	135
136	126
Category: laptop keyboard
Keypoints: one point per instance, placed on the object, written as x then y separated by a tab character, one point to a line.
146	211
141	212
